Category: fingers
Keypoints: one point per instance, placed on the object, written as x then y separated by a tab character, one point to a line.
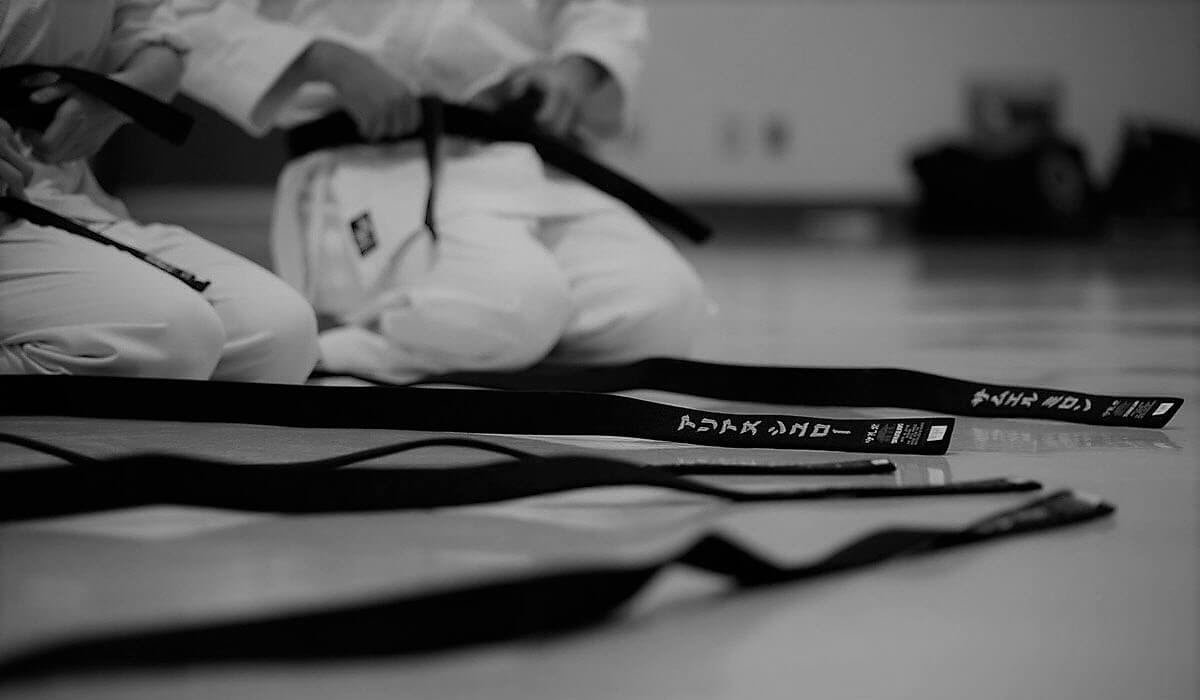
557	113
41	79
395	116
403	115
559	108
49	94
380	105
491	98
12	180
81	126
66	121
519	83
388	117
21	172
365	118
55	143
15	170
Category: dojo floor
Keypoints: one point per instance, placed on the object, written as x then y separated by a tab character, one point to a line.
1106	610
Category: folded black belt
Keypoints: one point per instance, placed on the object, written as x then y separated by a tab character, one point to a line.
833	386
152	114
547	601
510	123
459	410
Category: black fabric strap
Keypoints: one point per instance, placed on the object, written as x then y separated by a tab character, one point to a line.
21	209
854	467
459	410
511	124
432	128
142	480
833	386
726	467
150	113
504	608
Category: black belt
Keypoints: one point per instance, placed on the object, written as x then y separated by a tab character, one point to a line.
512	123
543	602
147	111
21	209
549	413
459	410
832	386
722	466
322	487
156	116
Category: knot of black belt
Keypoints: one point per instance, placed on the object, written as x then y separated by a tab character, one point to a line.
512	122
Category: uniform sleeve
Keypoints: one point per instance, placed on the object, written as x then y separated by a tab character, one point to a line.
611	32
137	24
239	61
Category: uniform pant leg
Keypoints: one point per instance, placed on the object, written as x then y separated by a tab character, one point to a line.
270	330
633	295
72	306
486	296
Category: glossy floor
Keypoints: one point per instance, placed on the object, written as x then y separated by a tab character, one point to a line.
1106	610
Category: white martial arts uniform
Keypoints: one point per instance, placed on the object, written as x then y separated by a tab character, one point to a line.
70	305
527	261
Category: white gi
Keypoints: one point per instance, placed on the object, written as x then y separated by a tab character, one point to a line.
70	305
527	261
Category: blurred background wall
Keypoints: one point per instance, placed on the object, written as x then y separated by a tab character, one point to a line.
820	100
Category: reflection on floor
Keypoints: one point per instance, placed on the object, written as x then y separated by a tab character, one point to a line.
1105	611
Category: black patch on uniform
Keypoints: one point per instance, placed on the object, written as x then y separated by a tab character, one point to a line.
363	231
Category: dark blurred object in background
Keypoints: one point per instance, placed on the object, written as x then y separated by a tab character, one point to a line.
1014	172
1043	187
1157	173
1004	114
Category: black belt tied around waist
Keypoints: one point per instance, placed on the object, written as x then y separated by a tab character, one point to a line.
510	123
145	110
40	216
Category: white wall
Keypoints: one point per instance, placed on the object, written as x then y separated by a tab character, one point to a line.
859	82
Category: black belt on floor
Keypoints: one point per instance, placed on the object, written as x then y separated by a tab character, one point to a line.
148	112
508	607
834	386
459	410
512	123
153	479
